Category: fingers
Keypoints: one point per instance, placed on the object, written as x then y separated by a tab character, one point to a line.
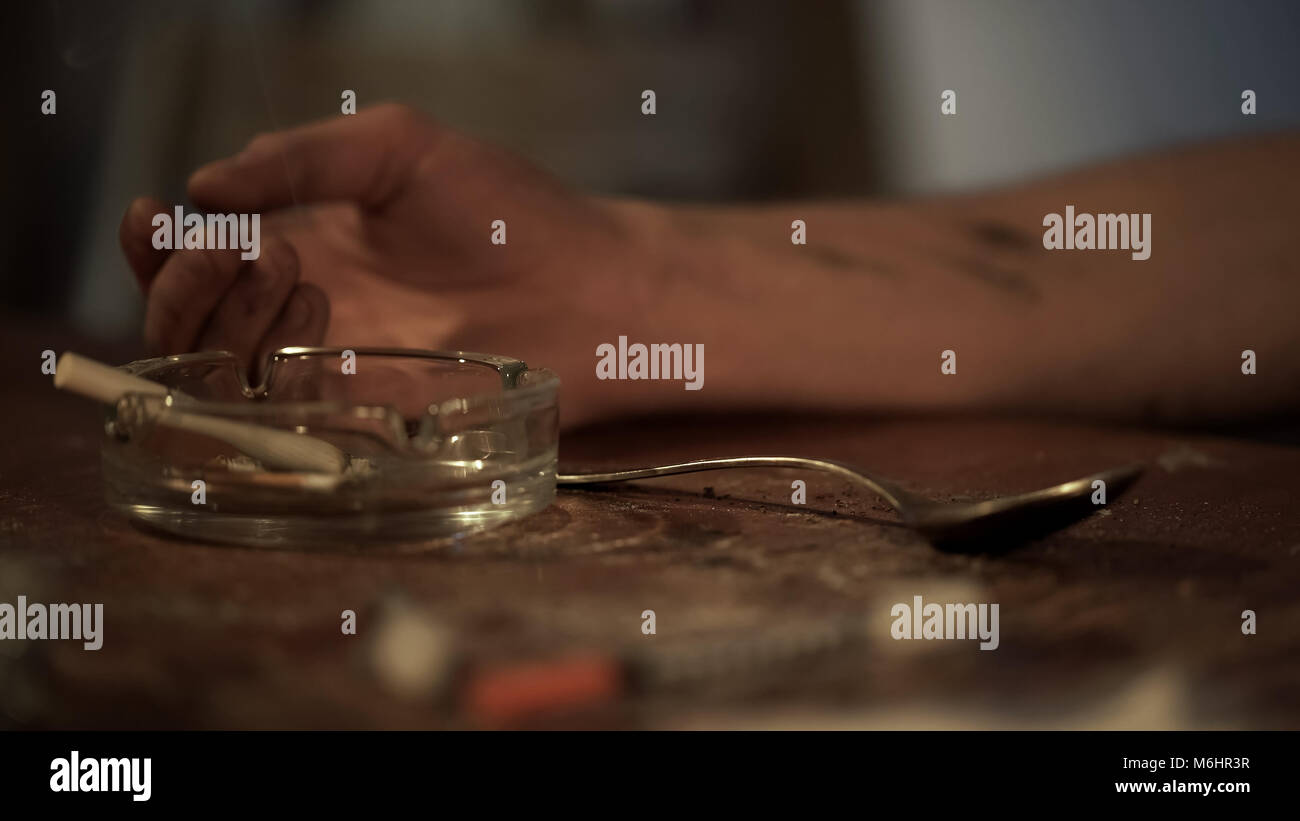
364	158
302	322
248	309
187	288
253	304
136	237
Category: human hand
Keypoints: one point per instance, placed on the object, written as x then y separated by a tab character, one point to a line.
376	230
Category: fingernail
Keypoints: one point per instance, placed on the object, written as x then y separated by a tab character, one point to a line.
225	165
212	169
256	151
142	213
222	167
141	232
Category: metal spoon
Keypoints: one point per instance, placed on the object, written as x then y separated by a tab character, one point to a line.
990	525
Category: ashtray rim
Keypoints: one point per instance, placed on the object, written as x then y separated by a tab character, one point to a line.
511	371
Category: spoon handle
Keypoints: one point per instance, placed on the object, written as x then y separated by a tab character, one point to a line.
898	498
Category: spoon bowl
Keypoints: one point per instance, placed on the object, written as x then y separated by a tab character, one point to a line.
984	526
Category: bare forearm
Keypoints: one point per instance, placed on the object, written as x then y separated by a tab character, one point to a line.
858	317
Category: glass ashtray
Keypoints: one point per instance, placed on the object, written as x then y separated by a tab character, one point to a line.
433	444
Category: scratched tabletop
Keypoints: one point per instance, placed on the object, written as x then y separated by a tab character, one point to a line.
767	613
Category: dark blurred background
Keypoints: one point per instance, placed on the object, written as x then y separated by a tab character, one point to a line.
756	100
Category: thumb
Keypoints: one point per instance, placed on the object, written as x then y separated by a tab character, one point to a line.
364	158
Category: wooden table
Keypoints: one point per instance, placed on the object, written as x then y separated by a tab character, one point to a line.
1132	618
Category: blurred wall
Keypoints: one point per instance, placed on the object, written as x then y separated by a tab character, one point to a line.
1045	85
